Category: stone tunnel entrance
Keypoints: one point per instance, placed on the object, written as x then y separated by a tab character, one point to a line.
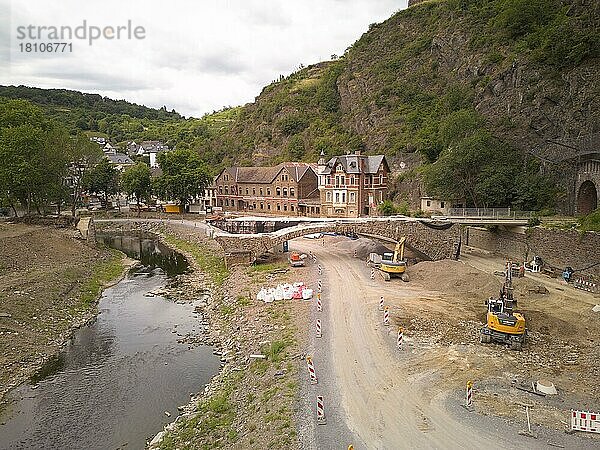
587	198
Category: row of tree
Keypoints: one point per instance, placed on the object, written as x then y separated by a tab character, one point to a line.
42	165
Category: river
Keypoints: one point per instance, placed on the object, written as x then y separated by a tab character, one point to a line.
111	385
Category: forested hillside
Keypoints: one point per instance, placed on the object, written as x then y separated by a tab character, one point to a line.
466	93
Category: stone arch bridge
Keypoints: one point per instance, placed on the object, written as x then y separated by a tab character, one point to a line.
434	239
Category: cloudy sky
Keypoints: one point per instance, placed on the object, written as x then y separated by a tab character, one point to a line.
196	55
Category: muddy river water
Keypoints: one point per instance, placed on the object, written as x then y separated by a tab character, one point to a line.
112	384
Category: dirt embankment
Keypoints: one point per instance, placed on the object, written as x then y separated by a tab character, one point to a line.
48	285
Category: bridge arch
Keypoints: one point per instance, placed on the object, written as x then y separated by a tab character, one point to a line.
435	243
587	197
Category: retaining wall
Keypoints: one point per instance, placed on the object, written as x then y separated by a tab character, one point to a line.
558	248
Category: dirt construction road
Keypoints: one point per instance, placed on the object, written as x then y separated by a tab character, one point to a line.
395	398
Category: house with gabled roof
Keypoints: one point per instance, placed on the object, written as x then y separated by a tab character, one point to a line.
352	185
288	189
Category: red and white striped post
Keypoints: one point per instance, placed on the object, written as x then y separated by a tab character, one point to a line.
311	370
381	303
400	337
355	253
319	304
319	332
469	399
320	269
319	285
321	420
372	274
386	315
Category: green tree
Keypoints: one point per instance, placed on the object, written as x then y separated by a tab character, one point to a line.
184	176
137	181
83	156
34	161
102	179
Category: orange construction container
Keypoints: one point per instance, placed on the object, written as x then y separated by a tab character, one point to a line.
173	209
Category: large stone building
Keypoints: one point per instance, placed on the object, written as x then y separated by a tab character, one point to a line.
288	189
352	185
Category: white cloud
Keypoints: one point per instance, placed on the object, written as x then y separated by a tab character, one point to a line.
197	56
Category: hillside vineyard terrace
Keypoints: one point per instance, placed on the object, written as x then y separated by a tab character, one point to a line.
84	32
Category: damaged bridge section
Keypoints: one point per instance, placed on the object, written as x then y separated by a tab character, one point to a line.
425	236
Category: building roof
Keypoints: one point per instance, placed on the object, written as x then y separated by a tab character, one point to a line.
267	175
119	158
356	163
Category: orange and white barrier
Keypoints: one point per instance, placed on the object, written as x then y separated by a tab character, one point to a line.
585	421
311	370
381	303
400	337
386	315
319	331
321	420
469	399
319	304
372	274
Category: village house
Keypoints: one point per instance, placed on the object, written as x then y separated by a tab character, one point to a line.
149	148
352	185
288	189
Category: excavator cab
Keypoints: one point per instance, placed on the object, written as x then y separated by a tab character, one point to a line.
394	264
503	324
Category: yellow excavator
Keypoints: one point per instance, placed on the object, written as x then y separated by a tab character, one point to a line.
503	324
394	264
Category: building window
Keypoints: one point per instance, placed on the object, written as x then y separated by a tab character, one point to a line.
226	202
226	190
337	197
352	197
278	192
366	180
329	196
352	180
269	206
442	204
285	207
220	189
285	192
318	210
247	191
291	192
328	180
253	191
292	207
254	205
261	192
343	197
268	191
278	207
428	203
262	206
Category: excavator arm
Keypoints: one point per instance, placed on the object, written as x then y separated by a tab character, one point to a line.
399	250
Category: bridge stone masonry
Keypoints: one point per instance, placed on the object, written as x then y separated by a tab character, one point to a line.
424	235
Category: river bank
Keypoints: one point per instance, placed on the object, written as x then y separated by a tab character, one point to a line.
49	287
251	402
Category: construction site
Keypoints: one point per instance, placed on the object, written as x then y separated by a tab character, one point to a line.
472	352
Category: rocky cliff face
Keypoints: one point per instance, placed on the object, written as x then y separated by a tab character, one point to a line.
531	82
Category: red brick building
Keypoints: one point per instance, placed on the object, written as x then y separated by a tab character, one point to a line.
352	185
288	189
